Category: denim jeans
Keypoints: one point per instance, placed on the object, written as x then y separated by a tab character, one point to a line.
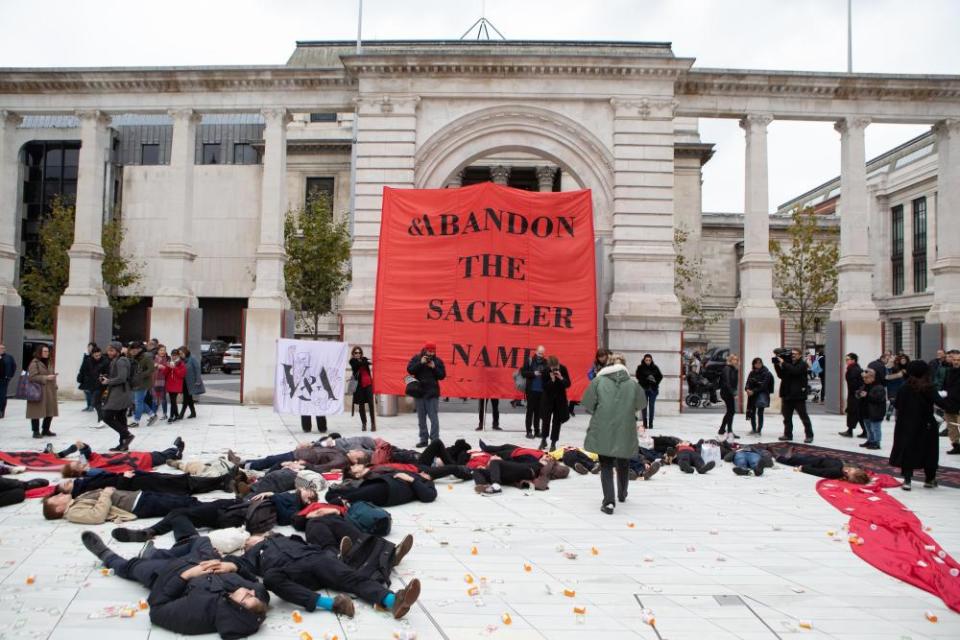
427	407
139	406
873	430
746	459
651	403
88	395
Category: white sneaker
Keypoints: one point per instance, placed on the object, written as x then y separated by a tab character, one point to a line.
17	469
100	425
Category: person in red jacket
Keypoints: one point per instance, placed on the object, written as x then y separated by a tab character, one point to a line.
176	371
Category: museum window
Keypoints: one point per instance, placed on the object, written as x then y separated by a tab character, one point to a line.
319	187
919	245
149	154
896	250
244	153
324	117
212	153
897	336
918	338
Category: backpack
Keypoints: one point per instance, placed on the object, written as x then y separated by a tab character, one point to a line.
413	387
257	516
370	518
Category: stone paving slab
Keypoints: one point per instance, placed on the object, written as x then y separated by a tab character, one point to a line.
715	556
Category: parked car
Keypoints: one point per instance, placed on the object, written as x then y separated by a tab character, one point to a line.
232	358
211	355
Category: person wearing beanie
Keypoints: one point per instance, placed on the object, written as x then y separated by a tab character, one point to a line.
428	369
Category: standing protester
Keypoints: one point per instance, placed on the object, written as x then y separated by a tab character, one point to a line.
896	377
142	382
915	440
649	377
939	367
152	348
41	372
759	388
306	425
534	370
363	394
83	382
94	367
428	369
822	374
160	362
119	395
793	394
879	367
176	371
192	383
599	362
494	409
872	397
8	371
554	410
951	393
729	383
854	381
613	400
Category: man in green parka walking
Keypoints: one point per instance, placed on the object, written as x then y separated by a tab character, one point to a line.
613	400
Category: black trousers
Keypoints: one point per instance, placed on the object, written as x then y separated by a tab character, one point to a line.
607	465
321	423
158	505
35	424
159	458
172	395
376	492
854	418
187	404
727	423
97	402
116	419
755	414
299	581
533	412
11	492
327	531
787	409
4	384
506	472
171	483
550	421
201	514
689	460
929	472
146	570
494	408
574	456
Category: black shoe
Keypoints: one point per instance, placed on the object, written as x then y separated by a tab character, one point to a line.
846	434
48	448
785	438
740	471
579	468
808	440
421	444
686	467
543	444
345	545
955	450
36	483
932	484
607	508
759	469
94	544
622	498
36	436
530	436
402	549
862	435
124	444
405	598
480	428
48	434
865	444
496	427
707	467
180	445
873	445
536	434
943	432
122	534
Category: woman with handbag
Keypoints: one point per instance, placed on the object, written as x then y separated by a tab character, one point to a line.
42	397
192	383
759	388
360	385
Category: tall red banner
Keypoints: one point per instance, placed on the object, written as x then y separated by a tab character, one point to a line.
488	273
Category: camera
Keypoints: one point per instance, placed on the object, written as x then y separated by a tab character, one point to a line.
783	353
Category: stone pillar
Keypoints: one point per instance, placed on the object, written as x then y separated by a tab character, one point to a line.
386	141
500	174
456	181
267	305
644	314
175	317
946	268
860	331
11	309
757	318
84	313
545	177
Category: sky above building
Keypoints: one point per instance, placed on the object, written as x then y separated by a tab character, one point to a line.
890	36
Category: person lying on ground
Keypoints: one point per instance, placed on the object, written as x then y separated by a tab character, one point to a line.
114	505
643	465
345	445
175	483
384	488
205	467
688	458
513	452
221	514
285	479
578	459
822	466
319	459
94	463
295	571
524	474
192	590
15	491
749	459
327	527
434	453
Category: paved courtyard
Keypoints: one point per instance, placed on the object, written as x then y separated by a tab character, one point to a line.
715	556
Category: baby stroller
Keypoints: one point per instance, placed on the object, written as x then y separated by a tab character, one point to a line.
702	392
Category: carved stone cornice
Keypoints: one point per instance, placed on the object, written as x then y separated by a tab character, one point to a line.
10	119
276	115
399	104
190	116
755	120
645	108
99	118
499	174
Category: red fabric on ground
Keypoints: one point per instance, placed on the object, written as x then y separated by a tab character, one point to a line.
122	461
893	537
524	451
41	492
478	460
310	508
396	466
33	460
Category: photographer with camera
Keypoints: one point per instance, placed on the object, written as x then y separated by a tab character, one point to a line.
428	369
554	409
792	371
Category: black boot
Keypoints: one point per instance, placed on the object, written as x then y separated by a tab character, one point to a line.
96	546
123	534
846	434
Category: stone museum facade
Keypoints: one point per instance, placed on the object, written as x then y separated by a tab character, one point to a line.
202	163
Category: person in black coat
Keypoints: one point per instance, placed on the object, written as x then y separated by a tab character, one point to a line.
8	371
729	383
649	378
854	382
534	371
873	406
793	394
915	434
554	408
879	367
951	392
384	488
759	388
295	571
93	367
429	370
177	483
15	491
192	591
363	395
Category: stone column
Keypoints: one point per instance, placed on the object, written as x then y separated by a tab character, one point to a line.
545	177
756	325
84	313
175	317
11	309
386	143
859	328
268	304
500	174
643	314
946	268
